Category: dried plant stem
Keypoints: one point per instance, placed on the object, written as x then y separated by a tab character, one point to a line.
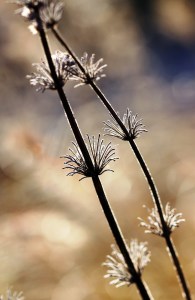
151	184
173	253
166	233
141	286
70	51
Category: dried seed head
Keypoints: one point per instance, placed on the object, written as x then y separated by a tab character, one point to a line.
49	12
31	4
29	8
133	125
12	295
52	12
101	155
93	70
117	268
154	225
43	78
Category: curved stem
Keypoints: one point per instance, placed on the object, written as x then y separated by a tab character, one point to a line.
155	196
173	253
97	184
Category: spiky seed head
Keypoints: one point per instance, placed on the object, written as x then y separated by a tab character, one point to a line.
48	12
131	122
118	270
93	70
43	78
12	295
101	155
153	224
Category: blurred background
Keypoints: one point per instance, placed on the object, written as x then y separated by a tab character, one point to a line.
53	235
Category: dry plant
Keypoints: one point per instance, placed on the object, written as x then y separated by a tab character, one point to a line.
12	295
91	156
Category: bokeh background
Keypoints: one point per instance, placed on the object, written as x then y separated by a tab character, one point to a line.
53	235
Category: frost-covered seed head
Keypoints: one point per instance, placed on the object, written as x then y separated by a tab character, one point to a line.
118	271
43	78
153	224
41	13
12	295
93	70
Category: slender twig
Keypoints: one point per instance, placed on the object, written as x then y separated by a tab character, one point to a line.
152	186
143	289
141	286
174	256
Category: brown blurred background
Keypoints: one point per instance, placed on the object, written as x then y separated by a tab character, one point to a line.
53	235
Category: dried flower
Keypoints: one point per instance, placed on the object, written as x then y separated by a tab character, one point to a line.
43	78
133	125
29	8
117	268
101	155
49	12
52	12
93	70
12	295
154	225
31	4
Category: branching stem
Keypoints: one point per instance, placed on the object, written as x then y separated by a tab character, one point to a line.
141	286
155	196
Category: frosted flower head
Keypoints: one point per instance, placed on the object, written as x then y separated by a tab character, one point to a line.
52	12
31	4
43	78
41	13
29	8
154	225
133	125
118	271
12	295
93	70
101	155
